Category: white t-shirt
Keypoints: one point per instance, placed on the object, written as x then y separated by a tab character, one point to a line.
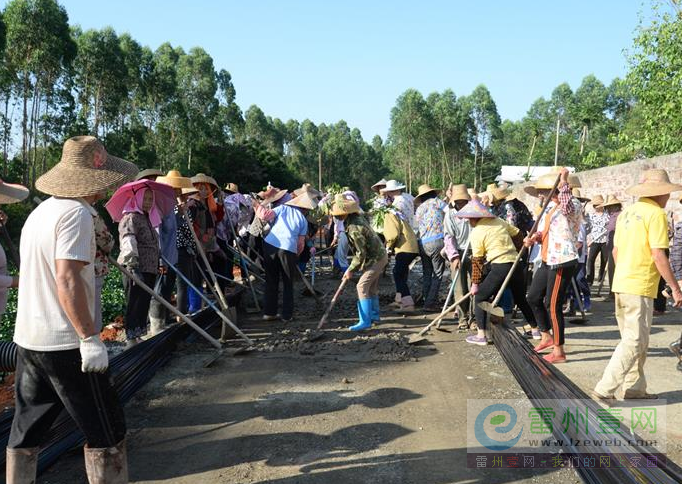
59	228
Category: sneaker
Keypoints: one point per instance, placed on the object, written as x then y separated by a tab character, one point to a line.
607	400
268	317
477	340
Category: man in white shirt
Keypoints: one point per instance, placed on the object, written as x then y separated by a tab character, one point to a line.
61	361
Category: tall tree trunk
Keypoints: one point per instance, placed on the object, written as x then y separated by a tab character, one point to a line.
556	146
24	131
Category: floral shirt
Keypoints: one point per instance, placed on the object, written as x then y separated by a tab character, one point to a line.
559	229
430	219
599	223
105	242
404	203
184	240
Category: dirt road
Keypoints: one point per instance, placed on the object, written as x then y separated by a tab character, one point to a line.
333	411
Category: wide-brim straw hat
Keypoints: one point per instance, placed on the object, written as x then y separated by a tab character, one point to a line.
272	194
304	200
546	182
149	172
346	207
307	187
654	182
12	193
203	178
611	200
499	194
576	194
474	209
458	192
424	189
85	169
597	200
377	186
392	186
190	191
174	179
232	188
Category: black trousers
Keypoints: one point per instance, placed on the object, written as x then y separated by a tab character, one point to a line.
401	272
165	283
597	249
137	305
492	283
188	268
279	264
48	382
547	295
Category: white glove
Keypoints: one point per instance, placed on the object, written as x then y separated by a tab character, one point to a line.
94	355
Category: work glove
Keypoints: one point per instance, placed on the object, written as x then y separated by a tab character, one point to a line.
93	355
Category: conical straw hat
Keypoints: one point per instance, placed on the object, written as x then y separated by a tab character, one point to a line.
85	169
307	187
175	179
474	209
379	185
203	178
304	200
12	193
654	182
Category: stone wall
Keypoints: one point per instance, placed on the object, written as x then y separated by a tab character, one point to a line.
615	179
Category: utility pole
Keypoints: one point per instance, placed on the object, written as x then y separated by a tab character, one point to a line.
556	146
319	170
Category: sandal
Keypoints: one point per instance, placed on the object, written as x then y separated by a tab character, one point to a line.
553	359
544	346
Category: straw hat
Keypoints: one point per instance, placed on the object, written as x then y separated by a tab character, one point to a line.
202	178
597	200
175	179
459	192
189	191
149	173
232	188
611	200
12	193
272	194
377	186
346	207
307	187
392	186
653	183
576	193
424	189
500	194
85	169
474	209
304	200
546	182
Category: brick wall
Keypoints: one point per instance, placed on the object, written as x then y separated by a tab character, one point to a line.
616	179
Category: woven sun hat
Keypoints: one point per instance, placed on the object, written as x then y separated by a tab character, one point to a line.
424	189
175	179
203	178
307	188
653	183
304	200
272	194
612	200
546	182
392	186
232	188
190	191
459	192
576	194
148	173
379	185
474	209
85	169
347	207
500	194
12	193
597	200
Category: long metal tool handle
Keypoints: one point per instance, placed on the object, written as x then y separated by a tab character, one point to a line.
337	294
245	259
454	281
166	304
307	285
524	249
578	299
446	311
200	249
241	256
208	301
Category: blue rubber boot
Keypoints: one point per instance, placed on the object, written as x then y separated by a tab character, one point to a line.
365	313
194	300
376	311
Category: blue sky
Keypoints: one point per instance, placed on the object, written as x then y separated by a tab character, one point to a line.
350	60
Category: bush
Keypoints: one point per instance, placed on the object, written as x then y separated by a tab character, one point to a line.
113	305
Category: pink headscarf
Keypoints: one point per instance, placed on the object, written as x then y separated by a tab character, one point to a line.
134	205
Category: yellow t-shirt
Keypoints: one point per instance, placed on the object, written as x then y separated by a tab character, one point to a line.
639	228
492	239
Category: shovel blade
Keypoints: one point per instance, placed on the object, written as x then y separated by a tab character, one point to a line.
415	338
490	309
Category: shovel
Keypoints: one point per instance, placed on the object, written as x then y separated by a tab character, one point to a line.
493	308
326	314
454	282
416	338
316	294
583	319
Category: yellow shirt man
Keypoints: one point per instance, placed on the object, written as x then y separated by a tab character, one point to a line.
640	228
492	239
